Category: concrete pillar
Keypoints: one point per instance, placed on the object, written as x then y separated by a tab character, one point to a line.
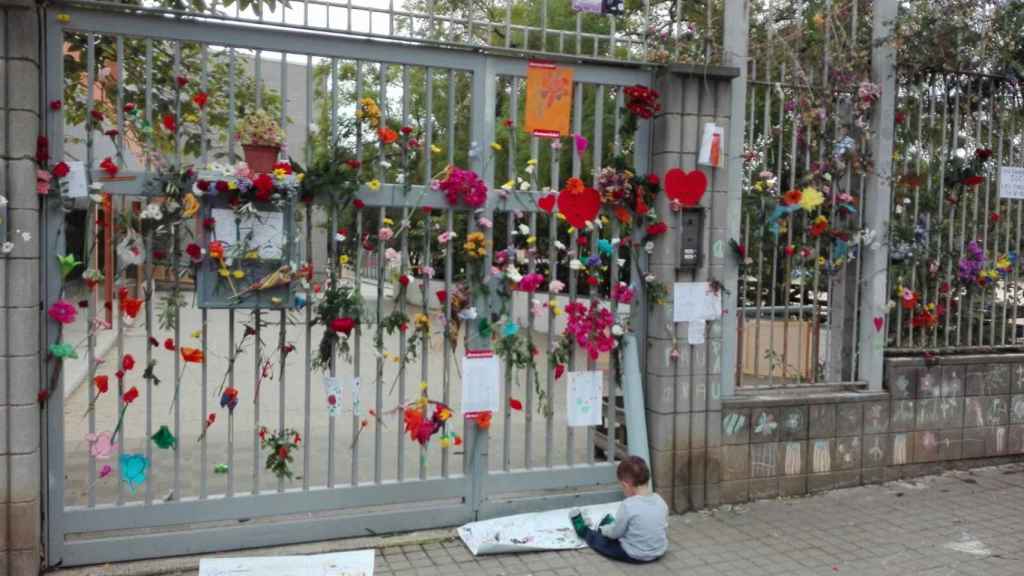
20	492
684	390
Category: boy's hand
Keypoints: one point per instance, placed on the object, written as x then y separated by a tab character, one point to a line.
608	519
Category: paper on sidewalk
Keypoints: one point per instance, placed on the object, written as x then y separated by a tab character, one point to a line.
532	532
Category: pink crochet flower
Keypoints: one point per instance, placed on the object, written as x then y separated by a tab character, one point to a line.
531	282
590	327
622	293
63	311
464	185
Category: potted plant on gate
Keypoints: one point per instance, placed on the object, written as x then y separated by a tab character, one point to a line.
261	138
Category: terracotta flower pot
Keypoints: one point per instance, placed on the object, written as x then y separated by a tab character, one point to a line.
260	158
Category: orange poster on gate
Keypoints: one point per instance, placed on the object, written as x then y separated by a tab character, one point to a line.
548	100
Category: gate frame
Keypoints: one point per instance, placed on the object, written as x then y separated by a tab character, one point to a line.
483	493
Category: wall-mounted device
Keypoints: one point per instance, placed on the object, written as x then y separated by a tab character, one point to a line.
691	238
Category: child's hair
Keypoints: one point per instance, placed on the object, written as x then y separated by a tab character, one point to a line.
633	471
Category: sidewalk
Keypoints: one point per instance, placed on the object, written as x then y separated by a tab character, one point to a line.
960	523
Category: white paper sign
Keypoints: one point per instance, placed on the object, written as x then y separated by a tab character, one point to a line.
711	146
695	301
352	563
1011	182
261	231
332	391
695	331
584	398
78	187
481	383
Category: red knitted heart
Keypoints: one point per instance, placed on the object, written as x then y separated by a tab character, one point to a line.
685	187
547	203
579	207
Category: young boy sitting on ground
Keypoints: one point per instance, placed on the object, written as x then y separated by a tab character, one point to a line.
638	531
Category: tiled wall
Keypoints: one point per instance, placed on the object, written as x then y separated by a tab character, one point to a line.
953	411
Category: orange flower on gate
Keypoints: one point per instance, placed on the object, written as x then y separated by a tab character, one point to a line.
386	135
192	355
574	185
792	197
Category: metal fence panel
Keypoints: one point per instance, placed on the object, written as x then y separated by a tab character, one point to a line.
213	478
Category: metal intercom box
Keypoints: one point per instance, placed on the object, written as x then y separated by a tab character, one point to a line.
691	238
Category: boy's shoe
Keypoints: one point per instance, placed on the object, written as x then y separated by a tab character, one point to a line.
578	523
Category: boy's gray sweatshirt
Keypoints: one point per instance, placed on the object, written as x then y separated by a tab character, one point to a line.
641	526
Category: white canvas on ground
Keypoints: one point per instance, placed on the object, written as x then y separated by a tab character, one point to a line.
481	383
695	301
584	404
533	532
353	563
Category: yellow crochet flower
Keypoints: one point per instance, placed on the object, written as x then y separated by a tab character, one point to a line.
811	199
373	184
435	148
496	147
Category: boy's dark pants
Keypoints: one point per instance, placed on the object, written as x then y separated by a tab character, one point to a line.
608	547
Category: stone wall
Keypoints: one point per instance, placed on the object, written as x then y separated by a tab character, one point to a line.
958	411
683	393
19	283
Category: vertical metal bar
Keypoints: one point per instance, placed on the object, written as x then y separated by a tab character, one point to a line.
506	452
283	328
231	120
258	372
258	73
90	235
574	251
1013	139
204	83
357	364
231	313
332	262
175	248
379	381
597	146
403	267
942	194
449	346
549	423
426	279
974	227
308	153
532	376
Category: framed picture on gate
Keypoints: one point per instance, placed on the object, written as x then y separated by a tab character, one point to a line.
250	252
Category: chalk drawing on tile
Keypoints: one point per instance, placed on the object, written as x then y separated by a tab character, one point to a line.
763	461
793	421
899	449
902	384
733	423
794	458
766	424
995	412
875	452
822	461
1000	439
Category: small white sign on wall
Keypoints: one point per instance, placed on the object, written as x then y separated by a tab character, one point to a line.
1011	182
711	146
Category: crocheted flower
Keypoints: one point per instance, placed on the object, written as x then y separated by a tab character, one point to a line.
63	311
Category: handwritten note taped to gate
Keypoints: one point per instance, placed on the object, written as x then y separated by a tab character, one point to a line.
695	301
1011	182
481	382
261	231
584	404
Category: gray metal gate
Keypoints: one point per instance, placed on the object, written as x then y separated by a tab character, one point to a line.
358	473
